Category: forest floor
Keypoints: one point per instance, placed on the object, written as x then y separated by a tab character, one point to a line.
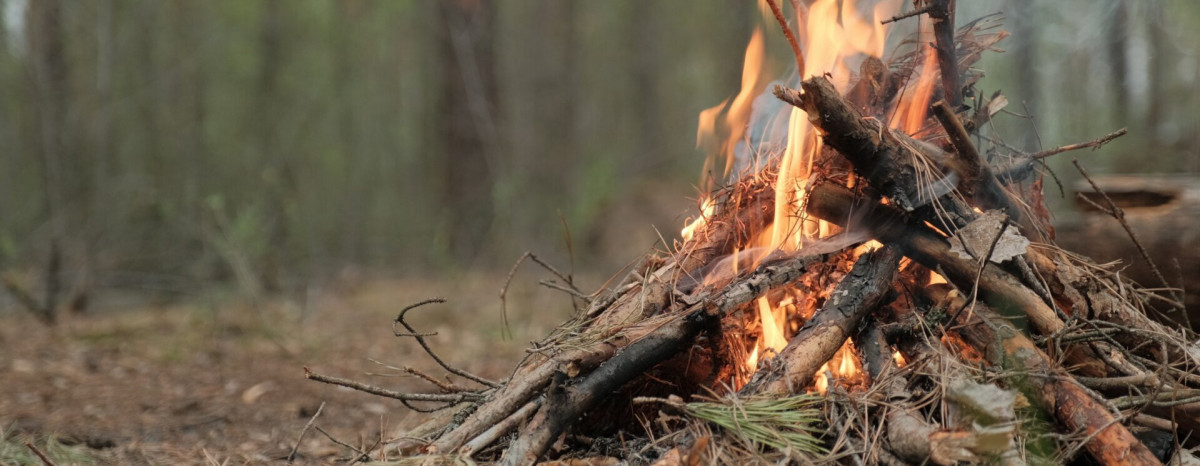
221	380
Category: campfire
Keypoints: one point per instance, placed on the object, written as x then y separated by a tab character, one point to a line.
862	285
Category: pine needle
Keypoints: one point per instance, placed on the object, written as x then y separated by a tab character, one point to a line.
780	423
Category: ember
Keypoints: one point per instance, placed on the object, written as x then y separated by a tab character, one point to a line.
867	254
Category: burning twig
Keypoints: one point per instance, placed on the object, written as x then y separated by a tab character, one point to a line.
420	337
787	32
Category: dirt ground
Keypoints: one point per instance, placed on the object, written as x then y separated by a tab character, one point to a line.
215	380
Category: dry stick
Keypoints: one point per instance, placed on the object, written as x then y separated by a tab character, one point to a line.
942	14
454	398
1093	144
791	38
859	293
42	456
1070	403
292	456
501	428
1119	214
420	337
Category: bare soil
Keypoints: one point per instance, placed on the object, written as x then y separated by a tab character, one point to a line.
220	381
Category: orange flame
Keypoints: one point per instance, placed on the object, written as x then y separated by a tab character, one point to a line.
833	34
731	118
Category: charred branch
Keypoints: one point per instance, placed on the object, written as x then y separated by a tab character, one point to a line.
859	293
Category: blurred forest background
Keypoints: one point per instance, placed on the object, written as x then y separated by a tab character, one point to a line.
164	146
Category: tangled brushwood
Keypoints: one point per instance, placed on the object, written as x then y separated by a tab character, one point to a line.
871	291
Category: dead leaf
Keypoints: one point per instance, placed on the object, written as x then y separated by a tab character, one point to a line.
973	240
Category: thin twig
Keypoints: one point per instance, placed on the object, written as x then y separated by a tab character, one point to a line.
1094	144
362	455
791	38
1119	214
446	387
420	337
362	387
513	272
916	12
42	456
292	456
506	332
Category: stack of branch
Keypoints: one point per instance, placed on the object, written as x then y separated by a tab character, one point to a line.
1066	342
